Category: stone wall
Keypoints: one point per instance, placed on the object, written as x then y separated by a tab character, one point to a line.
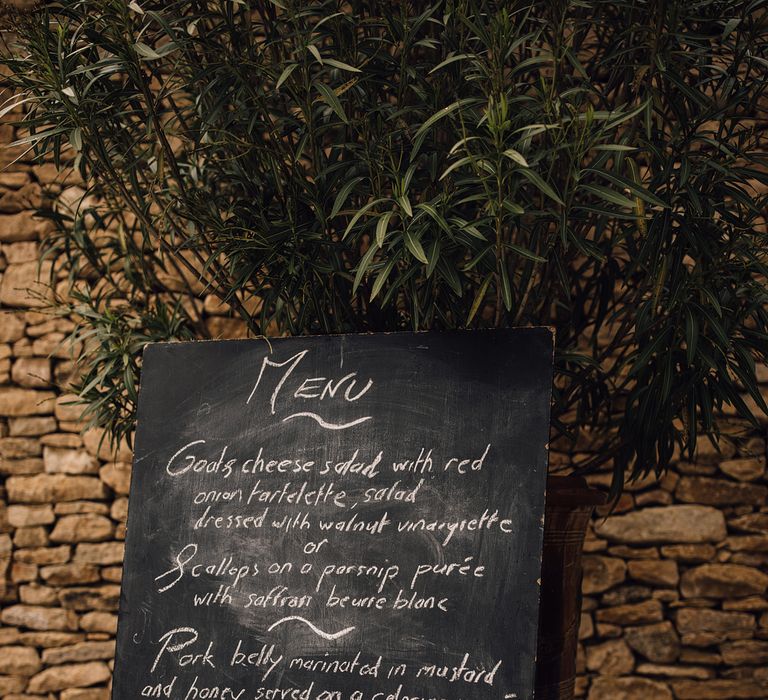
62	498
675	581
675	584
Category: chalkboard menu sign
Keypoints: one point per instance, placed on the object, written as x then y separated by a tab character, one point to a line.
337	518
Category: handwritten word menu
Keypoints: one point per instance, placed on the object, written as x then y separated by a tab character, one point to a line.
337	518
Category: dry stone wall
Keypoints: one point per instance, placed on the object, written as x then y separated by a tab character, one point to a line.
675	580
675	583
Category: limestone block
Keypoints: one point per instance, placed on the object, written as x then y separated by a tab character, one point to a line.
612	658
69	676
57	345
83	651
87	527
117	475
98	444
85	694
99	621
31	426
67	408
26	251
745	652
751	522
717	689
26	284
667	524
25	402
19	661
11	326
24	226
62	440
656	572
747	469
632	614
100	553
119	510
607	688
21	467
49	488
49	640
106	597
43	555
689	553
19	447
719	492
11	684
723	581
26	516
59	460
695	620
35	594
658	642
69	574
76	507
36	536
27	197
32	372
39	618
602	573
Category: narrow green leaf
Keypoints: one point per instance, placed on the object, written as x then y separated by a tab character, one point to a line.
448	61
14	102
609	195
516	156
525	253
615	147
506	288
316	53
512	207
460	143
434	256
471	229
636	189
360	212
408	177
341	65
730	25
414	246
76	139
381	278
146	51
574	61
333	101
456	164
341	197
535	179
449	274
418	138
434	215
381	227
479	297
285	74
619	116
363	266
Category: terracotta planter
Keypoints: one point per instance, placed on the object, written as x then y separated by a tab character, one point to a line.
569	507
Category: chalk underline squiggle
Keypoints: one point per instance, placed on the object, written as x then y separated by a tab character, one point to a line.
325	424
314	628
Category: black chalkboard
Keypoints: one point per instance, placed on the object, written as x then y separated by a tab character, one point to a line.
337	518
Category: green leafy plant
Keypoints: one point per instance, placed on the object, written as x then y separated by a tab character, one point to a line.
325	166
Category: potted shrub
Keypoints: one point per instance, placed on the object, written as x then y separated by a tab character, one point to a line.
320	167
